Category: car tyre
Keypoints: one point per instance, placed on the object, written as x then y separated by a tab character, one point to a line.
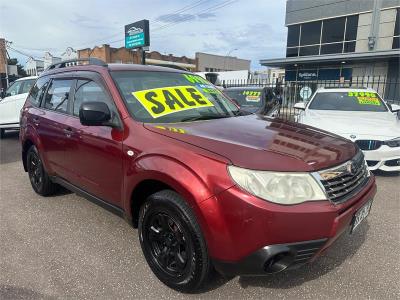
172	242
40	180
2	133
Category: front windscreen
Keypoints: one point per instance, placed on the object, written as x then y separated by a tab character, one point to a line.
246	97
169	97
348	101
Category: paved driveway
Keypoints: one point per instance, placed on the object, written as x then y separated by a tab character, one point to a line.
67	247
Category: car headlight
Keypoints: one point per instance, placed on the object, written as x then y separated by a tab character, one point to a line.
278	187
393	143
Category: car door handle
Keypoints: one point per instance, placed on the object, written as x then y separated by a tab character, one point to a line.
68	132
36	121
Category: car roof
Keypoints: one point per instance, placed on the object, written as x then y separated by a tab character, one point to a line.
27	78
112	67
343	90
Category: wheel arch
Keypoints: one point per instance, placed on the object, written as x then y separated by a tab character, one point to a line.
155	173
25	147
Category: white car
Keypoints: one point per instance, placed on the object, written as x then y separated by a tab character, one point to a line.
11	104
361	116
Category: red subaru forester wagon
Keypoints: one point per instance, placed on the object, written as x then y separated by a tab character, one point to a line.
207	185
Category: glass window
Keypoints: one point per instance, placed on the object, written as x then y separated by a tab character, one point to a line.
14	88
349	47
348	101
250	97
310	50
331	48
396	43
333	30
351	28
37	91
311	33
87	91
290	52
290	75
293	35
328	74
169	97
397	25
26	85
57	95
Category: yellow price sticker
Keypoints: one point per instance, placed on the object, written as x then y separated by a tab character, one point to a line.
368	101
167	100
362	94
251	93
253	98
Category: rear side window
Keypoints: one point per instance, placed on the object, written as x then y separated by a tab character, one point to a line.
27	85
58	94
14	89
88	91
37	91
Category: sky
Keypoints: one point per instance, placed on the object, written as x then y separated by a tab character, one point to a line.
250	29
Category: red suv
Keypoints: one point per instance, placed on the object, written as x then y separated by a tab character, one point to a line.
207	185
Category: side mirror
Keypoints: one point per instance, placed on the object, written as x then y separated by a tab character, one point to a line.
300	105
94	114
394	107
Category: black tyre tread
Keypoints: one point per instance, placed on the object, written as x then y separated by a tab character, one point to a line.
49	188
2	131
175	199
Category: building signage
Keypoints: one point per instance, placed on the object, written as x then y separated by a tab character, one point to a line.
307	75
137	35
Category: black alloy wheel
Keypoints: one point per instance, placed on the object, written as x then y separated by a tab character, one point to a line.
169	244
172	242
40	180
35	170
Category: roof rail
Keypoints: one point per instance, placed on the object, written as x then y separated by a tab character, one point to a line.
77	62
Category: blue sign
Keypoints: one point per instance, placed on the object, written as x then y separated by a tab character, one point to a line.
137	35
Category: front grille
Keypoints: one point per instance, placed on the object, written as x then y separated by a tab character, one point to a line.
368	144
344	181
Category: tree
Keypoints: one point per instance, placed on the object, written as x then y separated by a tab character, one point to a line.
20	69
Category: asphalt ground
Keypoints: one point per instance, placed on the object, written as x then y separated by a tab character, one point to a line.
68	247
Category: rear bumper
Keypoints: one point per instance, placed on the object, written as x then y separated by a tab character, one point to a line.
256	237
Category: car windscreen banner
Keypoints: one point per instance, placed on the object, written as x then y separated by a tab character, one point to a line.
167	100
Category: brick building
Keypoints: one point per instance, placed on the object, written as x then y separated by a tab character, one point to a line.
3	64
126	56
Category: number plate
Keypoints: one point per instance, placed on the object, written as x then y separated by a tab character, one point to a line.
360	215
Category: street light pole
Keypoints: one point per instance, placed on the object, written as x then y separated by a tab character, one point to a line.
227	54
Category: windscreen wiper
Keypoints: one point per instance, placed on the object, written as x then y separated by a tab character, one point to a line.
198	118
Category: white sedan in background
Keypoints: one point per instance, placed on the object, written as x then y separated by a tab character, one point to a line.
11	104
361	116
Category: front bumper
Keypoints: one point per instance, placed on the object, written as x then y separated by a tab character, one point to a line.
385	158
248	233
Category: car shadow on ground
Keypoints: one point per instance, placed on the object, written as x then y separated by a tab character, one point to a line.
385	174
14	292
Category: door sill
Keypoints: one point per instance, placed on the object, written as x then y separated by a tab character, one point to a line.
92	198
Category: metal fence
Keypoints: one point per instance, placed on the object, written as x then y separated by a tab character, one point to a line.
289	91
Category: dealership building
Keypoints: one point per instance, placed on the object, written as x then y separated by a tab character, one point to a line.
342	40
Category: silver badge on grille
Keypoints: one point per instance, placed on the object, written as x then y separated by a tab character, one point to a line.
351	168
352	136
